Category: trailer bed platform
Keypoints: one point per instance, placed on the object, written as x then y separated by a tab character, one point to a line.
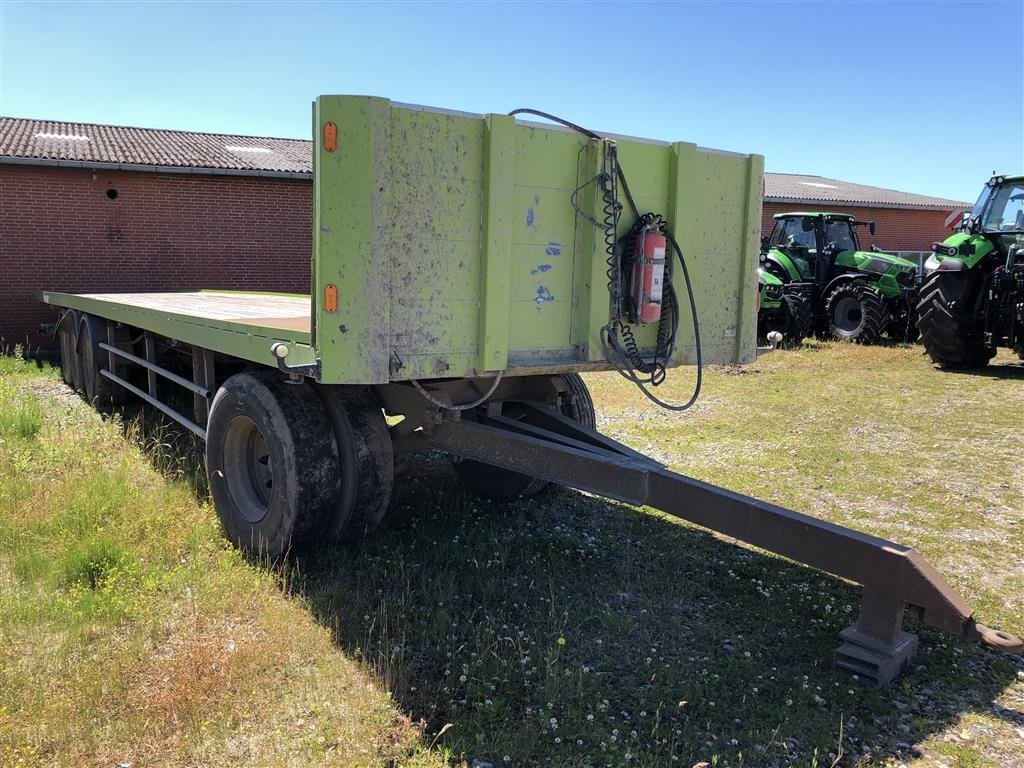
238	323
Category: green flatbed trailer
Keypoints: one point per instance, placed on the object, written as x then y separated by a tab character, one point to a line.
465	268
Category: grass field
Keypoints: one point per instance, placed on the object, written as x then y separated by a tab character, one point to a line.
563	631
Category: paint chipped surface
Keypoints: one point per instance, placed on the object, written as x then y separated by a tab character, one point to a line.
540	268
543	295
553	249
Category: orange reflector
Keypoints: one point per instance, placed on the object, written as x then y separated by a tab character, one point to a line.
331	297
330	136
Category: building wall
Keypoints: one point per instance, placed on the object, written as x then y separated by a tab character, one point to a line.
897	229
61	230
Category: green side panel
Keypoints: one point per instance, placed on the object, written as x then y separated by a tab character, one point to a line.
351	228
496	258
456	250
787	263
716	217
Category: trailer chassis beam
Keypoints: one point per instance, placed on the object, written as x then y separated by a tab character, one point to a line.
558	449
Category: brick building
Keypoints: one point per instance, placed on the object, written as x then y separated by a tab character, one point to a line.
95	208
92	208
903	221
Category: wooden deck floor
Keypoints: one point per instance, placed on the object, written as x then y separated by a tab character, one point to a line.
266	311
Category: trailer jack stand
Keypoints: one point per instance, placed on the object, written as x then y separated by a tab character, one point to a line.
547	445
876	647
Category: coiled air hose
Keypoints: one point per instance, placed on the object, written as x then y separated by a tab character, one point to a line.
617	339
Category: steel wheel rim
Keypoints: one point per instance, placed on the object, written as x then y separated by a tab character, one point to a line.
847	315
249	477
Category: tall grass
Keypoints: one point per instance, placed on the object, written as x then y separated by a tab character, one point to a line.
130	633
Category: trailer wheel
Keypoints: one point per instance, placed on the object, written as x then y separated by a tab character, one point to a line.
948	337
365	459
504	485
98	388
272	461
67	328
856	313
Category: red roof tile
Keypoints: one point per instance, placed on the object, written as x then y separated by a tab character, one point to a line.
88	144
791	187
114	144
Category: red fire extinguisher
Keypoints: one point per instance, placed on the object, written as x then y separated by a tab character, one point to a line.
648	275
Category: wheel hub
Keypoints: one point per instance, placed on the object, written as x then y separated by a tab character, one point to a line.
251	483
847	315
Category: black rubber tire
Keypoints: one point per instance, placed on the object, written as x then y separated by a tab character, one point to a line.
871	316
503	485
792	319
97	388
282	507
67	334
949	339
366	462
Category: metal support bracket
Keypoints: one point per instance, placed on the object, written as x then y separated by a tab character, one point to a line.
280	351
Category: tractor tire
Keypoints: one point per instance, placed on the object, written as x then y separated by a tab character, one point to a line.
948	338
272	462
503	485
365	459
98	389
67	335
856	313
793	320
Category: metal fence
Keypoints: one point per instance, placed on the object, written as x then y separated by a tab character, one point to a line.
918	257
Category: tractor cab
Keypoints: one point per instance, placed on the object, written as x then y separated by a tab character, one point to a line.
807	244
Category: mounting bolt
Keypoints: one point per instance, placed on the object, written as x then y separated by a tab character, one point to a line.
280	350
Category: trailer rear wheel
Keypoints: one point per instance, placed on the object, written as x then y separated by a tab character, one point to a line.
272	461
504	485
365	459
67	328
92	331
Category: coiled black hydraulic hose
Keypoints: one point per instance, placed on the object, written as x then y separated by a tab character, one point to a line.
625	355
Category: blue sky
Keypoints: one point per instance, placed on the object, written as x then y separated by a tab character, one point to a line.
917	96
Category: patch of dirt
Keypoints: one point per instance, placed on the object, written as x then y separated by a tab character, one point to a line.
55	389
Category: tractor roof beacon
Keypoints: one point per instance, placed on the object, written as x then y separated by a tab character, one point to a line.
465	268
972	300
853	295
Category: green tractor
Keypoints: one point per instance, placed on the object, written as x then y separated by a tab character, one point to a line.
853	295
972	300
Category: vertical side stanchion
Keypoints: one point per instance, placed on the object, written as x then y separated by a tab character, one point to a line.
150	358
112	341
203	375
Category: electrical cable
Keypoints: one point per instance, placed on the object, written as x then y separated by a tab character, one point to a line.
625	357
466	406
